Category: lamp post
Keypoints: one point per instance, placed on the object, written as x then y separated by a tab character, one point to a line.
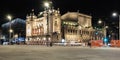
105	31
46	4
104	27
10	30
115	15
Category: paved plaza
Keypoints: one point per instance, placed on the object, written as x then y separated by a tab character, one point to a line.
36	52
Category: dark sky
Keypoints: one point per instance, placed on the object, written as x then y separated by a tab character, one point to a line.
96	8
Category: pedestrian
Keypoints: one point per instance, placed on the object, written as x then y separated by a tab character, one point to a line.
50	44
89	44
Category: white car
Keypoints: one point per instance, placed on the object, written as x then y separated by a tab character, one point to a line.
5	43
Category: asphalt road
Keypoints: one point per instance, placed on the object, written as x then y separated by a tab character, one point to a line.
36	52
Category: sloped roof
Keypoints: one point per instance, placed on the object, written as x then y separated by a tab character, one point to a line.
73	16
70	16
14	22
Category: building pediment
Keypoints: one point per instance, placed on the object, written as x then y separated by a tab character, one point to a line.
70	16
73	16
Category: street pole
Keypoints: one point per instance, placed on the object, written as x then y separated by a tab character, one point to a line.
119	27
104	27
10	32
114	15
105	33
105	30
47	26
47	12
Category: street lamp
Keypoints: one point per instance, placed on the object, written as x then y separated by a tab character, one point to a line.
101	22
115	15
9	17
10	30
105	31
16	35
46	4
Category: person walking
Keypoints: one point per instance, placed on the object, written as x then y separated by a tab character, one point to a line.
50	44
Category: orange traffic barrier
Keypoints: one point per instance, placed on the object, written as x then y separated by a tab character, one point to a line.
96	43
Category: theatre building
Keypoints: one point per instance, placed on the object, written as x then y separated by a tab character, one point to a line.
46	27
50	26
77	27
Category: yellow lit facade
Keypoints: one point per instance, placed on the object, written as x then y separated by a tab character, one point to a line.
39	27
77	27
72	26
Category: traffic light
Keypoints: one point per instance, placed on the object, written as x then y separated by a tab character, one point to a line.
96	32
105	39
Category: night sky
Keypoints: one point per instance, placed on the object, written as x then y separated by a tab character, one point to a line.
97	8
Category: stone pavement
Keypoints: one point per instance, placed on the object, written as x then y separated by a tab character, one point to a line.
36	52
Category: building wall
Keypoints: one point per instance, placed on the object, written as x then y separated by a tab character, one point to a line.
72	26
37	28
78	28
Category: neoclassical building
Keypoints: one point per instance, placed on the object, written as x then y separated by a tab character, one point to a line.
77	27
44	27
50	26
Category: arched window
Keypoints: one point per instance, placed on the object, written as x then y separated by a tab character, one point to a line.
55	24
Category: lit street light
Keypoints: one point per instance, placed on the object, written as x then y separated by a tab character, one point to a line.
115	15
16	35
9	17
100	22
104	31
47	6
10	30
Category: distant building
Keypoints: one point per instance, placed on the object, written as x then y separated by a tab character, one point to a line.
72	26
17	25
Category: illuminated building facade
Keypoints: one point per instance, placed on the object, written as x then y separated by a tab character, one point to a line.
72	26
77	27
46	26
